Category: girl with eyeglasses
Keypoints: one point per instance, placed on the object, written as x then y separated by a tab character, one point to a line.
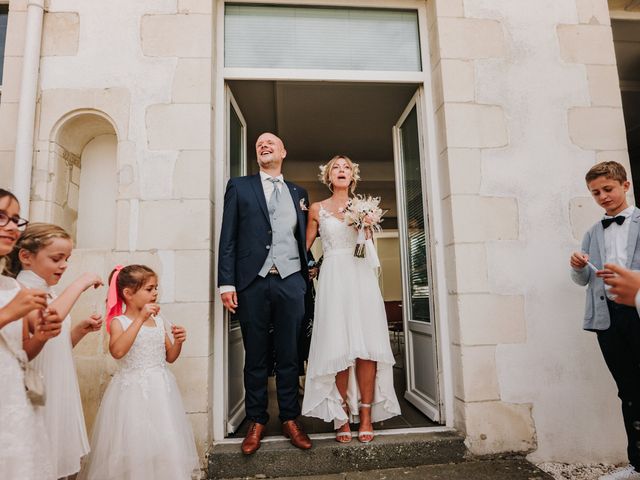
24	448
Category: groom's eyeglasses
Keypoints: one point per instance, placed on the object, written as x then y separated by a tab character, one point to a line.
21	223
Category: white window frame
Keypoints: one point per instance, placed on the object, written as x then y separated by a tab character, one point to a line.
221	74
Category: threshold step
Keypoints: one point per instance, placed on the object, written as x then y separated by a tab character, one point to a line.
278	458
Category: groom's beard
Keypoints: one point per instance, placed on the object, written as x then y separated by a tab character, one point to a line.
268	162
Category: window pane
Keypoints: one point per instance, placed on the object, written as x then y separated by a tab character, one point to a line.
4	16
415	224
269	36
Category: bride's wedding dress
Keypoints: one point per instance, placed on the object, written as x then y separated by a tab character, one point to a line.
349	323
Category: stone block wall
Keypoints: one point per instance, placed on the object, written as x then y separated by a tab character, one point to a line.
142	72
526	100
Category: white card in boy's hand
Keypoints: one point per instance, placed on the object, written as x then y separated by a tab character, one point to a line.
592	266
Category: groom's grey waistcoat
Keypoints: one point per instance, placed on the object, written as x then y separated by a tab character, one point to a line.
596	312
283	252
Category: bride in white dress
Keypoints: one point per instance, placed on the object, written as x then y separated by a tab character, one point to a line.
24	450
350	367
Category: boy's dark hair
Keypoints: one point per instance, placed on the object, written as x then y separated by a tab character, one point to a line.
611	170
133	277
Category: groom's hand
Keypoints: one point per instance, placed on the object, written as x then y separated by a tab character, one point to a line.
230	301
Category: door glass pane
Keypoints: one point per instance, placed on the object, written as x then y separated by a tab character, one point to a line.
4	17
415	224
330	38
236	169
235	145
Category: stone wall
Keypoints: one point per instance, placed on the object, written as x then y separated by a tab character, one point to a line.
142	72
526	102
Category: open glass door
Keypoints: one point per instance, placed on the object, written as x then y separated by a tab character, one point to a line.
236	153
420	339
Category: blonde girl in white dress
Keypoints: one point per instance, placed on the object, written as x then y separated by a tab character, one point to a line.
41	257
24	448
350	367
141	430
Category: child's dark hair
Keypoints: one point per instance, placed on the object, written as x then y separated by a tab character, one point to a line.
4	268
6	193
611	170
34	238
133	277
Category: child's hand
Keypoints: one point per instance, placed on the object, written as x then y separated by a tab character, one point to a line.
25	301
624	284
179	333
48	325
149	309
90	280
605	273
578	260
91	324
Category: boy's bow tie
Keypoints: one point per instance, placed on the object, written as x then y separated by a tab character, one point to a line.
608	221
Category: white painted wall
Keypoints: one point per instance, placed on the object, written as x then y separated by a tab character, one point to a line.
96	227
559	370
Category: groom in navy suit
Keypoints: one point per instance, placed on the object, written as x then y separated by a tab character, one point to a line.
262	272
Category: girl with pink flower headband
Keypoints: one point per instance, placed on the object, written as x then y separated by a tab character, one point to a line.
141	430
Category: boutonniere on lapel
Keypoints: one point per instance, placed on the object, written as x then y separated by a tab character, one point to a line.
303	205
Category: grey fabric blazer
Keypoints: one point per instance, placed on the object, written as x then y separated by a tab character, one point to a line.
596	313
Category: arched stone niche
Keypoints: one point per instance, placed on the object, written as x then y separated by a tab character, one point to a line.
82	179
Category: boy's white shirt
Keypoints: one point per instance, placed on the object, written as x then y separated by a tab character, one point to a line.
616	238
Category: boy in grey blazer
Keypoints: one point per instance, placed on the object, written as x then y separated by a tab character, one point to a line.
613	240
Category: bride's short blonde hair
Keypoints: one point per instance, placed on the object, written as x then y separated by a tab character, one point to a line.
325	172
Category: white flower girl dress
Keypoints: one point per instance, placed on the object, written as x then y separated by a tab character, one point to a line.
24	448
63	415
141	430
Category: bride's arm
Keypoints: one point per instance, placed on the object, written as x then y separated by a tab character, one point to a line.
312	224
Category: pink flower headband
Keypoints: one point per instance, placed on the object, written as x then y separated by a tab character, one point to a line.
114	303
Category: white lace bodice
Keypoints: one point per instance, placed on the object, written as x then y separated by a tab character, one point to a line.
335	233
148	349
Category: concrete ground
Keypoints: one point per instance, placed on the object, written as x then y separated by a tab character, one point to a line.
515	468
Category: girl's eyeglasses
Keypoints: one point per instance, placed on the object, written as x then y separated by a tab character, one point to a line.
21	223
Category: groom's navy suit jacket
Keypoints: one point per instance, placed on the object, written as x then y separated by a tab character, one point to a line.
246	235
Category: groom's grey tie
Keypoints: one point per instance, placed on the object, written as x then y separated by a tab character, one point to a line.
275	196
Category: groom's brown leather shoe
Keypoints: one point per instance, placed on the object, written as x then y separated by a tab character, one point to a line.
293	431
251	442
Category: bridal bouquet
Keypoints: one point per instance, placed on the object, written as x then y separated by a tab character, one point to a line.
363	212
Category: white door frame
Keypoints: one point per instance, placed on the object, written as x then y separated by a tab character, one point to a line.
436	230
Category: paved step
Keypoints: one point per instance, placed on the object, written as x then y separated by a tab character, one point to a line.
515	468
278	458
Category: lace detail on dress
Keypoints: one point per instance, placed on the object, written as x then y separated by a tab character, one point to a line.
334	233
147	352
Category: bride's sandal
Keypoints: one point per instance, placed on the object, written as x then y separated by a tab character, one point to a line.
344	436
365	436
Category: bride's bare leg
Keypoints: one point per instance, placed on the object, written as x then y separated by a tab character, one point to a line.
342	382
366	374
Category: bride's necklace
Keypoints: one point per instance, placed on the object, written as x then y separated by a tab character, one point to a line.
339	210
